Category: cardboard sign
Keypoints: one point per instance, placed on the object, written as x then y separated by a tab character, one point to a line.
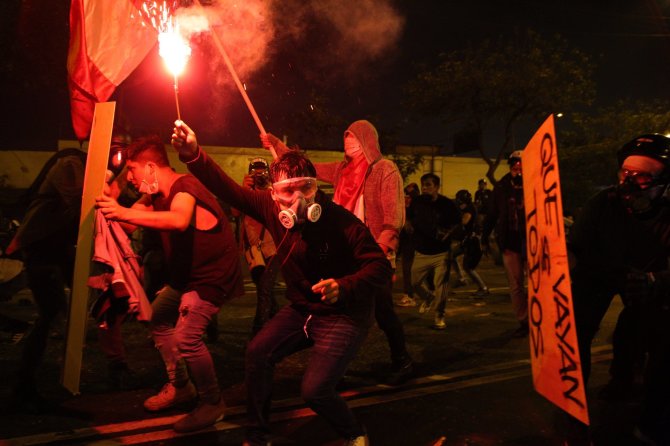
557	370
94	180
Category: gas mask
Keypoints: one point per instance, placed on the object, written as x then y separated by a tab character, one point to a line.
640	192
145	186
258	169
297	196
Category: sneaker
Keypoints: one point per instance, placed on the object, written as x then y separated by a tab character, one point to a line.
439	323
401	373
406	301
201	417
361	440
425	307
170	396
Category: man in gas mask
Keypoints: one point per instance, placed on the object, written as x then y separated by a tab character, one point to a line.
619	245
370	187
333	268
506	215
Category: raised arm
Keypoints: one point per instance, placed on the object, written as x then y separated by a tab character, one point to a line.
213	177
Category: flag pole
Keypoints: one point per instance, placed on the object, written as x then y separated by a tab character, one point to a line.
240	87
176	96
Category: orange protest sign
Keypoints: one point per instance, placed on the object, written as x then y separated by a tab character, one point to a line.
557	370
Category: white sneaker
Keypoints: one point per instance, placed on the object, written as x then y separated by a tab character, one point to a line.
406	301
439	322
170	396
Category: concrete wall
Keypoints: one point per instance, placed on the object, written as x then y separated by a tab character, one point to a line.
456	173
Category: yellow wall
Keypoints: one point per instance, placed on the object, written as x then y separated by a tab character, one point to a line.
455	173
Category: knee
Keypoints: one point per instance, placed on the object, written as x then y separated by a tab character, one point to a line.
189	344
256	355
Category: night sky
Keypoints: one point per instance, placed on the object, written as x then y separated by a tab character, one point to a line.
629	41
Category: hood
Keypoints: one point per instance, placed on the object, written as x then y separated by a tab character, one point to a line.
366	133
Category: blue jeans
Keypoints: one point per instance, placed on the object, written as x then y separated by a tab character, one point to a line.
335	340
177	325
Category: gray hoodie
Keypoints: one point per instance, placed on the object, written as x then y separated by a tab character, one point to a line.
383	196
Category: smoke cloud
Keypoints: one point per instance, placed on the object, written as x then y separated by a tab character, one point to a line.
329	40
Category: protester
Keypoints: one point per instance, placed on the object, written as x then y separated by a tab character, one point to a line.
619	245
433	218
333	268
204	272
468	247
47	239
406	251
259	249
506	215
370	187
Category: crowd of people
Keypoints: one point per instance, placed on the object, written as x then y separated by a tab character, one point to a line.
337	257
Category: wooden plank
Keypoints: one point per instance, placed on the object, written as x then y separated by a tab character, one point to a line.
94	180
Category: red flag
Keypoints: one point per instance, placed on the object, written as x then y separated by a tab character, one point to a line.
107	42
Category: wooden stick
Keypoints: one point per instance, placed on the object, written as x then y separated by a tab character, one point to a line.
240	87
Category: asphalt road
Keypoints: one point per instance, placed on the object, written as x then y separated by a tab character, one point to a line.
473	385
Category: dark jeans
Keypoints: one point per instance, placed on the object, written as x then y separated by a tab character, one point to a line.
266	304
407	255
390	324
49	268
590	305
334	339
639	329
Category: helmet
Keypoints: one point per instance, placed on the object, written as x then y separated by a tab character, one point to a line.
639	200
514	157
653	145
463	197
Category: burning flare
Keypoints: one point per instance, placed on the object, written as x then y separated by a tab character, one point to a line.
172	46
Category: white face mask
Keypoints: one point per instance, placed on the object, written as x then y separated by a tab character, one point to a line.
352	146
145	186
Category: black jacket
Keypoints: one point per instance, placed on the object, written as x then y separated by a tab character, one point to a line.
506	215
337	246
